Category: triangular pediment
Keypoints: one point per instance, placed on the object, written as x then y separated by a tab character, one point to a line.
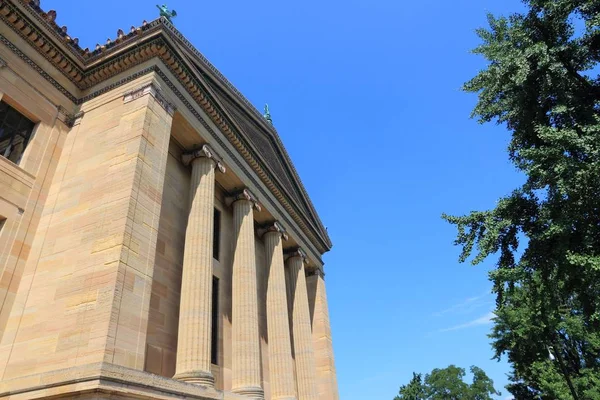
268	147
264	144
256	132
261	145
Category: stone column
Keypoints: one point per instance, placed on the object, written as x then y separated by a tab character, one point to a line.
246	378
280	349
195	309
326	374
306	376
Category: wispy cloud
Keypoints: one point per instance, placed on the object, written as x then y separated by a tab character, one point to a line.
483	320
467	306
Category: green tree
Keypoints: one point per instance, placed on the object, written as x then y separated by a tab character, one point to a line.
542	83
414	390
448	384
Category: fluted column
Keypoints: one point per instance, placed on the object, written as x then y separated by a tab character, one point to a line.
323	345
306	375
280	350
194	335
246	379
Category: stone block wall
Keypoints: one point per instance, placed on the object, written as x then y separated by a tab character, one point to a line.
24	187
91	250
85	292
161	347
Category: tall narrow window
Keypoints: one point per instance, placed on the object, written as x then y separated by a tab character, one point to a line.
217	235
15	132
214	334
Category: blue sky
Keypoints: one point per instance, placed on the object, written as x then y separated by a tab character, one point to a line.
366	97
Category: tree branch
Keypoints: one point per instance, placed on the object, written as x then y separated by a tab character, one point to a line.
594	90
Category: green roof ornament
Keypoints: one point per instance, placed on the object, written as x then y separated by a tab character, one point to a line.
164	12
267	114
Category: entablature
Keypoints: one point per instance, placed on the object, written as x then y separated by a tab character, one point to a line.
228	110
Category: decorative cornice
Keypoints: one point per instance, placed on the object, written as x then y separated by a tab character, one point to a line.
274	227
60	36
71	69
204	152
191	108
150	44
38	69
244	195
153	91
31	33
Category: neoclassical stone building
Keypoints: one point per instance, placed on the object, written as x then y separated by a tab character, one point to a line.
156	241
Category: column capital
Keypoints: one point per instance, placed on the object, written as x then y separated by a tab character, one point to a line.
298	252
203	152
316	272
245	194
274	227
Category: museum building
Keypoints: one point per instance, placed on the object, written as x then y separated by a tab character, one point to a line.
156	241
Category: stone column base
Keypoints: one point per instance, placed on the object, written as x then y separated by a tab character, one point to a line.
106	381
251	392
197	378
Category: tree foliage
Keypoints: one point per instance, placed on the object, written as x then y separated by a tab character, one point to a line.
542	83
448	384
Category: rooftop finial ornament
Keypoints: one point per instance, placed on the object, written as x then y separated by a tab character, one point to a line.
267	114
164	12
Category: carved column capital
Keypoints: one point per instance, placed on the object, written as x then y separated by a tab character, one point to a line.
274	227
244	195
204	152
316	272
297	253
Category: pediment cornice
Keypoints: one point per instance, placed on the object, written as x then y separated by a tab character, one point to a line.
218	98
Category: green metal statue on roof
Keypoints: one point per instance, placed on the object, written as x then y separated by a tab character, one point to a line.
267	114
164	12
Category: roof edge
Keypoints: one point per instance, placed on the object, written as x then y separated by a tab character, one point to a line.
75	63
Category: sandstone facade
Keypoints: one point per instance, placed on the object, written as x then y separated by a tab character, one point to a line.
156	241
